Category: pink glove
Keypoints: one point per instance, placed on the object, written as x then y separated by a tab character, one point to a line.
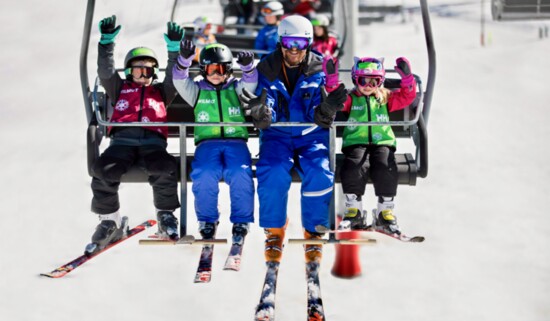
330	67
403	68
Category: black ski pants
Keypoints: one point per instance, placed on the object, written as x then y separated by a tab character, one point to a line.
117	159
364	161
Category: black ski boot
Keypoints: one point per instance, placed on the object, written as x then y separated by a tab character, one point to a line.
240	230
106	232
208	230
168	224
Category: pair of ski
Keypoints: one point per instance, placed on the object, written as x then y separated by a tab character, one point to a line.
204	269
233	261
68	267
265	310
370	228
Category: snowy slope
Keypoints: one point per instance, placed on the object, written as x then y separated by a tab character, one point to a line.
483	206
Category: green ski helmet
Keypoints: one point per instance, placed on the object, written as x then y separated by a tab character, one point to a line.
140	52
216	53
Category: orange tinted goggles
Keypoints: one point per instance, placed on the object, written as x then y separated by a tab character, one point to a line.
215	69
267	11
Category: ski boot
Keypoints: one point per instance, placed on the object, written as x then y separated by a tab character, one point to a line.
208	229
167	224
385	220
239	231
353	217
313	252
111	229
274	244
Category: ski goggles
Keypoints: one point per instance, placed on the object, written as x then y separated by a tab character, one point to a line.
212	69
369	81
267	11
300	43
145	72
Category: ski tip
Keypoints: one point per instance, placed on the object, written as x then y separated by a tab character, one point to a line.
52	275
417	239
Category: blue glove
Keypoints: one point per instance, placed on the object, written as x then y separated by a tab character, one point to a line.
173	36
108	30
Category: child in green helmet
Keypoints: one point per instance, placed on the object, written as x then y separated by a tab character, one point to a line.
138	98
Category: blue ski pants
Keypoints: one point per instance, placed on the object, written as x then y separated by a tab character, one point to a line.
278	155
228	159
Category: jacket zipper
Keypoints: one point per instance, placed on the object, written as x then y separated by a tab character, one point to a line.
141	103
369	128
218	93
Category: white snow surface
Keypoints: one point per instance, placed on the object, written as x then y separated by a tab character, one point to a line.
483	207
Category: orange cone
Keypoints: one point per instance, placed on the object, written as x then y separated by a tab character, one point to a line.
346	263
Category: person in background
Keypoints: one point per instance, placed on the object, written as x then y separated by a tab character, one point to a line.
305	8
323	42
370	150
203	34
138	98
245	9
221	152
268	38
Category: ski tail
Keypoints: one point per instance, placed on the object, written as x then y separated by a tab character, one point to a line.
265	310
315	310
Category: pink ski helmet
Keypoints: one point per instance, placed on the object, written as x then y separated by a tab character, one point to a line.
368	67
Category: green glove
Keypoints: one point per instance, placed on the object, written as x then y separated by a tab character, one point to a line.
108	30
173	36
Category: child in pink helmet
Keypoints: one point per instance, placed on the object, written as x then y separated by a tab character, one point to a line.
369	151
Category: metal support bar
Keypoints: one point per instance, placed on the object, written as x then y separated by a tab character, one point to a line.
183	180
431	59
84	82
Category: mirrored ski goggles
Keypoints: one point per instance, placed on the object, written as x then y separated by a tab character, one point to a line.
300	43
369	81
212	69
144	71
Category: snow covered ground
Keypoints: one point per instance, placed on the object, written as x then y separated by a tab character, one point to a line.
483	207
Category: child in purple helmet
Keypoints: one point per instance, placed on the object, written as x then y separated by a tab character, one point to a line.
370	150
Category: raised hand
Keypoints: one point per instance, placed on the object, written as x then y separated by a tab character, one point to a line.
331	103
187	53
330	67
187	49
255	107
173	36
403	68
245	60
108	29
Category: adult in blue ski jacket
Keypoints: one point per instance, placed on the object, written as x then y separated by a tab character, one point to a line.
294	80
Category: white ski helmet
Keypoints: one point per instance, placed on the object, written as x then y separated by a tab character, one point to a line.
273	8
295	26
320	20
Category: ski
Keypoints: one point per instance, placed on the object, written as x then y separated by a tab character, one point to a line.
315	311
233	261
370	228
204	271
265	311
67	268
